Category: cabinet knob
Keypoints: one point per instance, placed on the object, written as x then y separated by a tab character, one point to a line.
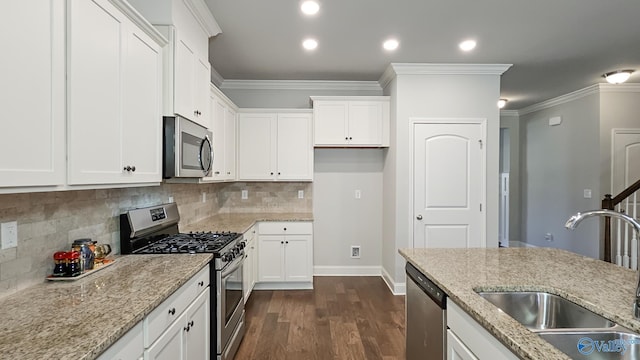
281	242
228	172
346	138
201	283
129	168
286	242
172	311
217	173
133	168
419	217
272	173
285	229
350	138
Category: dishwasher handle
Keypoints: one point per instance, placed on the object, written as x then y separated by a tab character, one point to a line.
428	286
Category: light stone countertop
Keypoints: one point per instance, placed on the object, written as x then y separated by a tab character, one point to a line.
241	222
601	287
80	319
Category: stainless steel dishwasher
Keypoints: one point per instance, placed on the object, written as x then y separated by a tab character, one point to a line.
426	316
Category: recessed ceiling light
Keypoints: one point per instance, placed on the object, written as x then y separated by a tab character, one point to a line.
502	103
310	7
391	44
310	44
467	45
618	77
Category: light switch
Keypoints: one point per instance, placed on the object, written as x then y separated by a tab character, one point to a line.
300	194
9	234
245	194
587	193
358	194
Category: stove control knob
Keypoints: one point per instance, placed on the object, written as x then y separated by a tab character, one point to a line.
242	245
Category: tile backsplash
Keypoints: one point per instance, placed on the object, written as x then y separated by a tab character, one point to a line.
50	221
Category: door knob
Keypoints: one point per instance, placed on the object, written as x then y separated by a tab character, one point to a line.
419	217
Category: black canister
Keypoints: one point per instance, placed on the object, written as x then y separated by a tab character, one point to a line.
83	246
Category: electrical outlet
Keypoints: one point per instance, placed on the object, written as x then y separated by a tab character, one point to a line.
245	194
9	234
548	237
587	193
170	199
355	251
358	194
204	197
300	194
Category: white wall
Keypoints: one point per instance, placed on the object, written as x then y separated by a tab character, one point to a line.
558	163
437	96
341	220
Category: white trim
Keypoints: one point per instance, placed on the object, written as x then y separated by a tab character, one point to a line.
614	132
300	85
509	113
216	78
203	16
132	14
273	110
223	97
320	270
283	286
620	88
351	98
396	288
562	99
522	244
449	69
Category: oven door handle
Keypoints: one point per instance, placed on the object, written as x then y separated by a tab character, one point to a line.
229	269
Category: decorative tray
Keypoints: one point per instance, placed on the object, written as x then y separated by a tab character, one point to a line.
105	263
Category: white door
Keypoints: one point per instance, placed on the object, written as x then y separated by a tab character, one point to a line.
449	185
625	158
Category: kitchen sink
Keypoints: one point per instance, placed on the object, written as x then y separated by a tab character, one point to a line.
540	310
596	345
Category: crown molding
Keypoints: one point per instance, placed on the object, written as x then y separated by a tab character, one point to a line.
216	78
140	21
387	76
562	99
204	17
449	69
274	110
509	113
619	88
300	85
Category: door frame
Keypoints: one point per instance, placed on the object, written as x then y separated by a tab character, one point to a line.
413	121
614	132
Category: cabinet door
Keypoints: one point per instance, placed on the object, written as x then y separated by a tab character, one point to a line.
201	81
95	42
295	147
298	258
32	140
230	144
256	146
197	335
142	122
183	79
128	347
456	350
219	138
330	122
270	258
170	346
365	123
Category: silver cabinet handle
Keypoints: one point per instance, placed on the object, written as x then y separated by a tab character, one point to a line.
419	217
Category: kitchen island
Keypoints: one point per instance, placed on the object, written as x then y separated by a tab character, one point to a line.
601	287
81	319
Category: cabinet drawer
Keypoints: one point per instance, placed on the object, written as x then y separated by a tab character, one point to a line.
130	346
286	228
165	314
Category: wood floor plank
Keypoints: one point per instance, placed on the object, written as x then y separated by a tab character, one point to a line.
343	318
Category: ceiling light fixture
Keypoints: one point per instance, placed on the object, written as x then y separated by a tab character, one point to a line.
618	77
502	103
390	44
467	45
310	44
310	7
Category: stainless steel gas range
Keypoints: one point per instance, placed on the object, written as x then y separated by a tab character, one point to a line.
154	230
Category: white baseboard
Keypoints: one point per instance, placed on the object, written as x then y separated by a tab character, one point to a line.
513	243
321	270
283	286
396	288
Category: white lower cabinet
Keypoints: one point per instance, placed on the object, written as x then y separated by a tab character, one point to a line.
188	336
285	254
468	340
128	347
250	267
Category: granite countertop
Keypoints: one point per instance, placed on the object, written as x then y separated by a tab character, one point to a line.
80	319
241	222
601	287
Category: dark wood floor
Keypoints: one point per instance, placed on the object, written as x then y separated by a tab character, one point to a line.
342	318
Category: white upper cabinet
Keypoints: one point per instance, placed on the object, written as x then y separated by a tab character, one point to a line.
114	97
32	140
223	127
187	24
275	146
351	121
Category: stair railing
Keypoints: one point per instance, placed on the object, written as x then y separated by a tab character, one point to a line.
625	237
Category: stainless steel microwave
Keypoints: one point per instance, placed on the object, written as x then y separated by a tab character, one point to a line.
187	148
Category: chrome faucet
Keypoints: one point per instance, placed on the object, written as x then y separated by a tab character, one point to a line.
573	222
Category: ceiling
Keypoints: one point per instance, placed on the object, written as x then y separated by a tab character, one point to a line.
555	46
